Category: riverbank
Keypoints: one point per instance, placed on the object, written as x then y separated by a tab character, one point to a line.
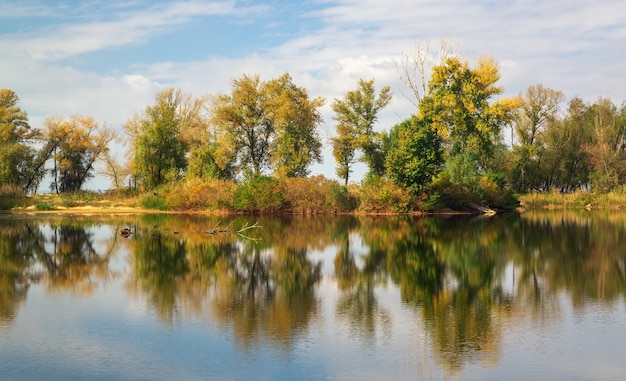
575	200
53	203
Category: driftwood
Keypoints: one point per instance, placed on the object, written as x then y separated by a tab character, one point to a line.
216	229
482	209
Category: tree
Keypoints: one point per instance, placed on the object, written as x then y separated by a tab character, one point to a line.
75	144
297	143
538	109
18	160
356	115
268	125
564	164
344	151
208	159
159	150
606	148
539	106
415	155
459	108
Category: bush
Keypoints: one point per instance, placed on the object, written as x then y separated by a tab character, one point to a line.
10	196
44	206
198	194
152	201
380	195
263	194
317	195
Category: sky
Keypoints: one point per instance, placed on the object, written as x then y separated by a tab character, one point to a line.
108	59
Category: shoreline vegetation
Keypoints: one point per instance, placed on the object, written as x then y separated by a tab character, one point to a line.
355	199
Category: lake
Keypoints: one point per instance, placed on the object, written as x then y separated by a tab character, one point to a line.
541	295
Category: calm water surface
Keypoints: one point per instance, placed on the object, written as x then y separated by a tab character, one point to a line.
539	296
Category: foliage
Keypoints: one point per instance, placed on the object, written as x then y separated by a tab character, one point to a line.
10	196
212	194
158	147
458	184
18	160
74	144
458	107
380	195
606	148
415	155
268	125
153	201
261	194
356	115
316	195
44	206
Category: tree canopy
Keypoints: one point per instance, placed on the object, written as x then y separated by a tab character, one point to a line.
269	125
356	115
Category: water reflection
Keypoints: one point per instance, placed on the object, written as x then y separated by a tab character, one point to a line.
467	279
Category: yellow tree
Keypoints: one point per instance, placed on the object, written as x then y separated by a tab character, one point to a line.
75	144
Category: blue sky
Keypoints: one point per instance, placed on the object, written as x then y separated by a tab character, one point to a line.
108	58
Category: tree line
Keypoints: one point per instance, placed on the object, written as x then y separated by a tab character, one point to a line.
462	146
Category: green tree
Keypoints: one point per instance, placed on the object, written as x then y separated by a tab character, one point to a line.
18	160
356	115
565	164
538	109
75	144
415	155
159	150
268	125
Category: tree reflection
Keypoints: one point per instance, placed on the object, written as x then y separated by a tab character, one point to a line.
266	293
58	251
16	272
358	304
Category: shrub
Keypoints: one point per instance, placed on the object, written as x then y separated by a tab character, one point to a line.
10	196
152	201
380	195
44	206
262	194
199	194
317	194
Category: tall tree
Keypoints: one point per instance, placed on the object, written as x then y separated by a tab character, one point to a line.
268	125
538	109
607	146
159	150
75	144
564	164
18	159
297	144
356	115
539	106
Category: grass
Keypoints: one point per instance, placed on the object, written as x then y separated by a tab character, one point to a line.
575	200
